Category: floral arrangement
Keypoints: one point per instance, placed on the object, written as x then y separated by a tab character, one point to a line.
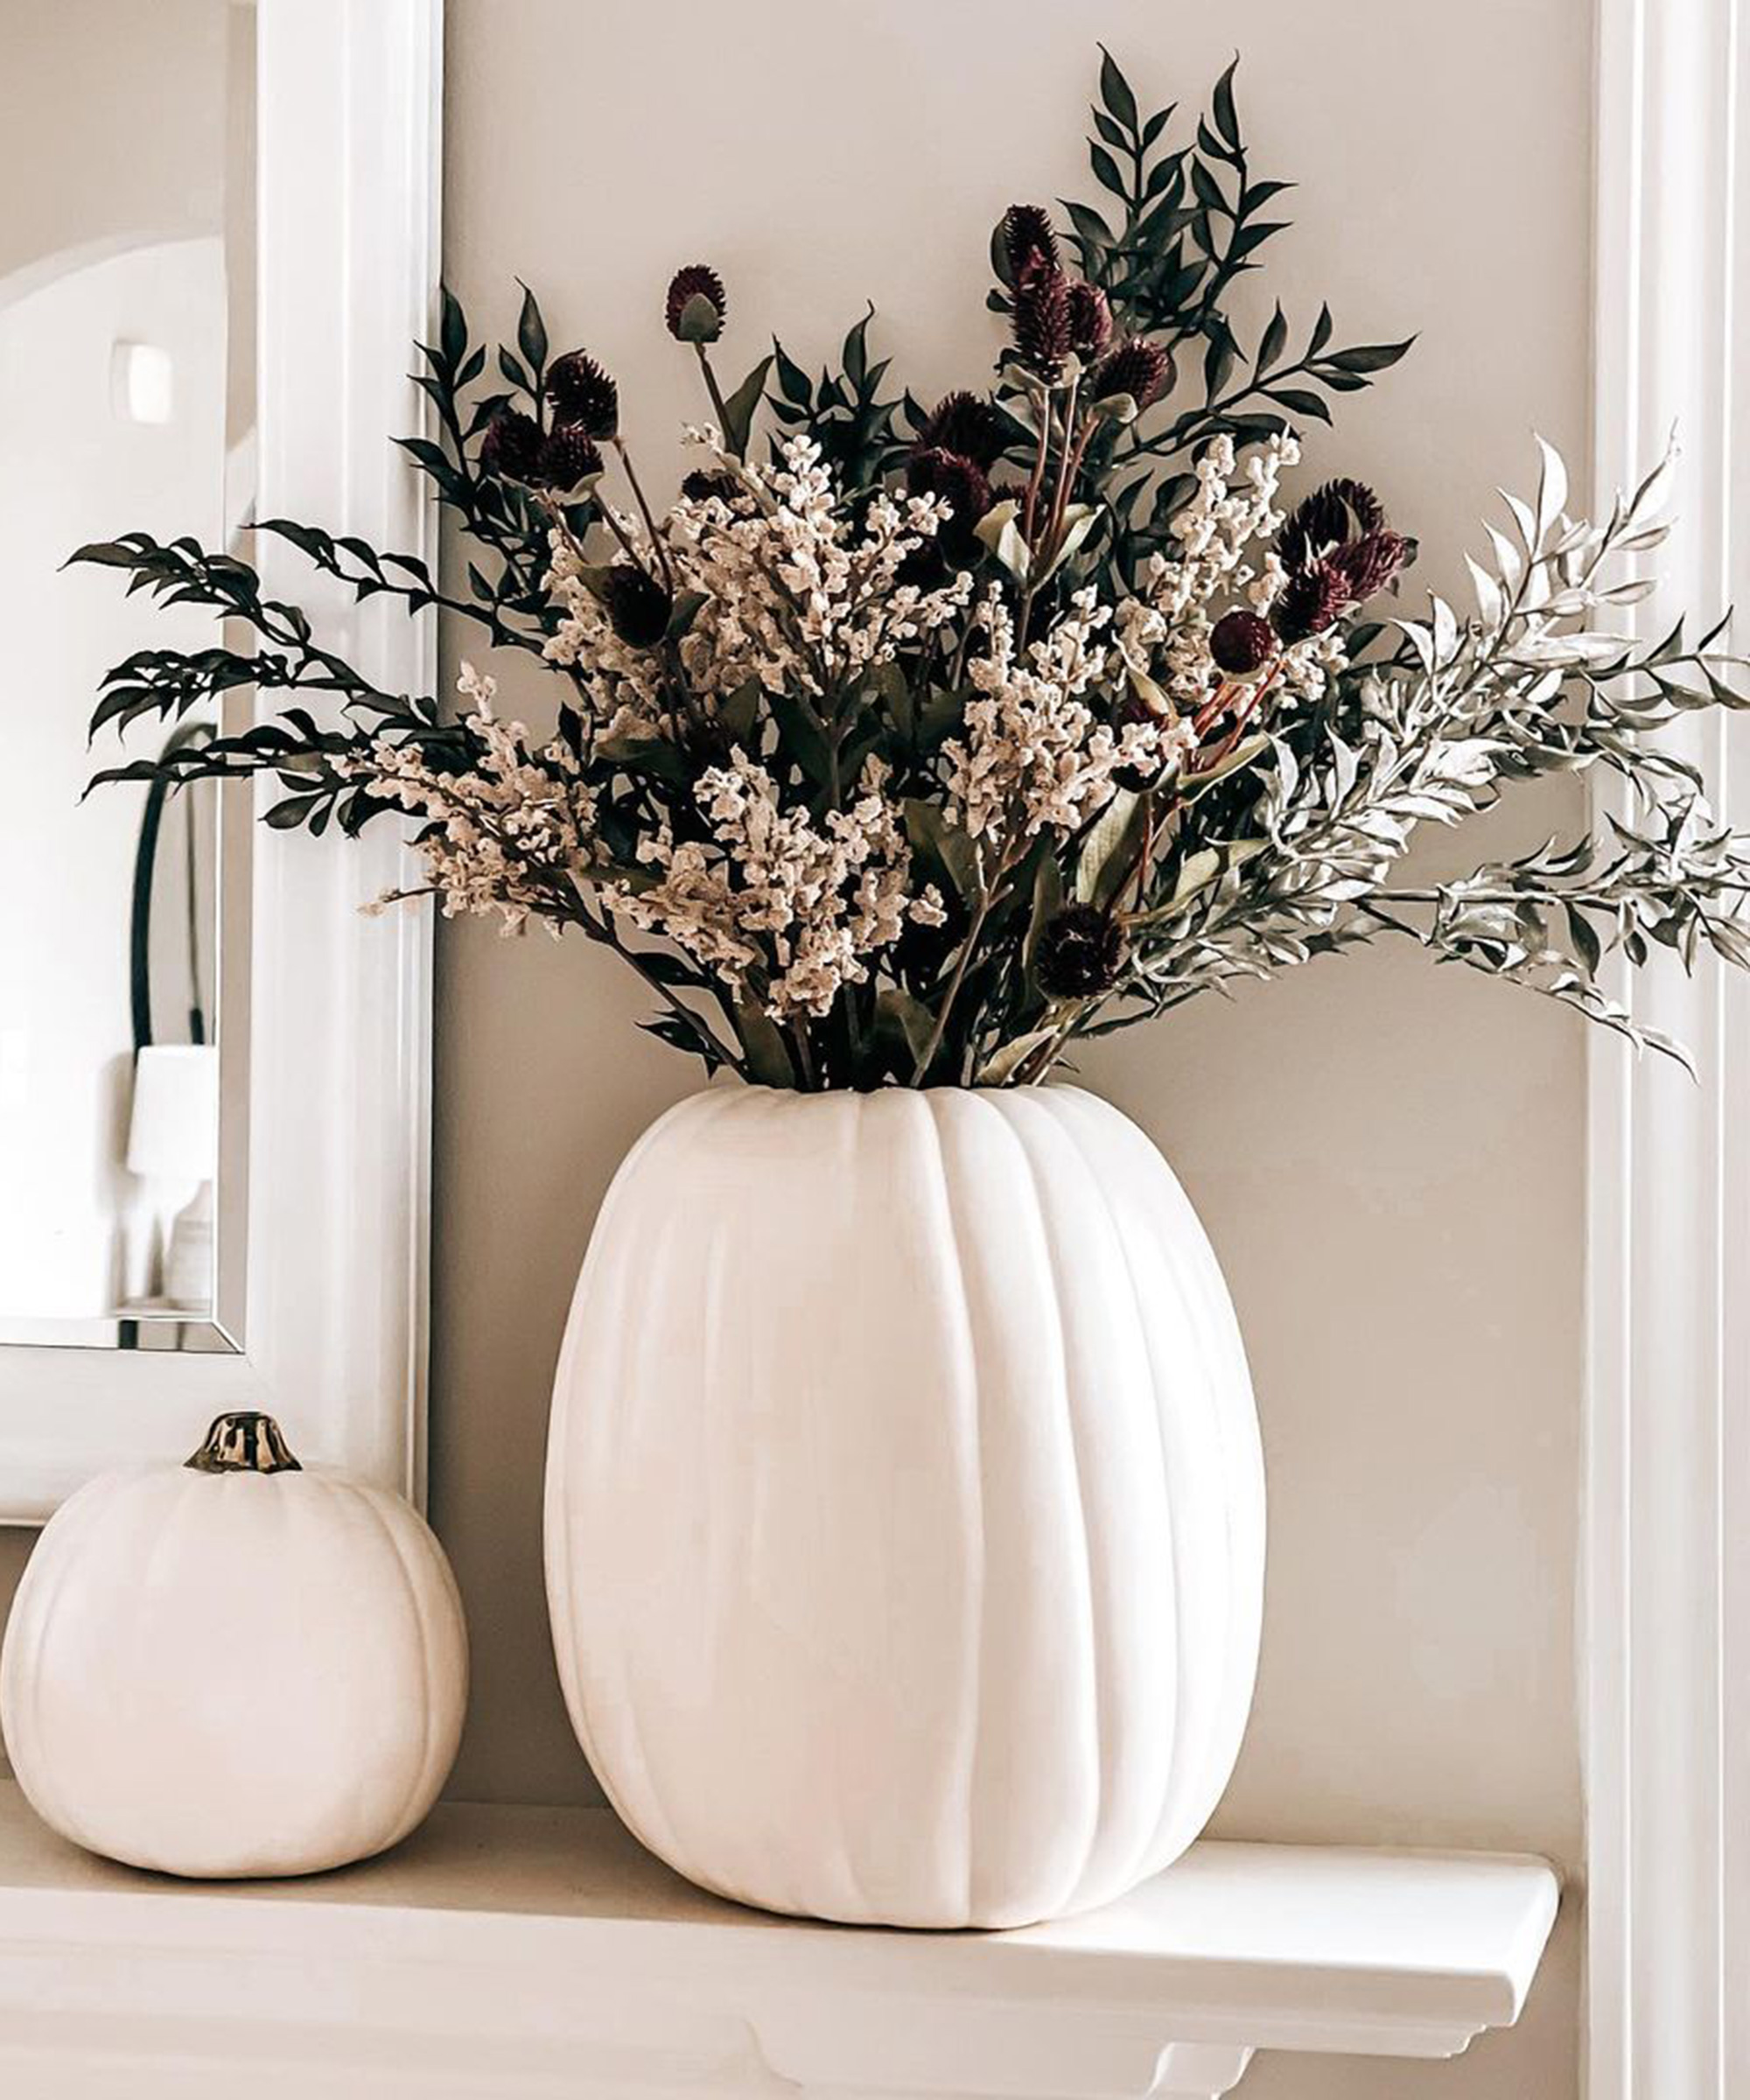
918	743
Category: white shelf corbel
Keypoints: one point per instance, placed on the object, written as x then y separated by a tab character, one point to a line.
520	1954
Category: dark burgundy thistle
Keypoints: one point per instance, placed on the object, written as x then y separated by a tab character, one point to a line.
1241	643
1314	598
584	394
1081	953
1042	332
960	483
1141	369
1026	242
967	424
1090	320
568	458
1373	562
512	447
1335	512
638	608
1338	551
696	306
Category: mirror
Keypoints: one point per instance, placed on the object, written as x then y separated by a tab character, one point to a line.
218	243
127	398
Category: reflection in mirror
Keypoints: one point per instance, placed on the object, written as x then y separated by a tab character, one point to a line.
126	400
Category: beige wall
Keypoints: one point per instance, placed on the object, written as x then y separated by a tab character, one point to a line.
1389	1158
126	106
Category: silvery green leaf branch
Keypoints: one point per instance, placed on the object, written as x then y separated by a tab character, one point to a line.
1539	679
915	744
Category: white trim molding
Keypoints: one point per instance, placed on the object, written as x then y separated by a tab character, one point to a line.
1667	1575
528	1954
327	1325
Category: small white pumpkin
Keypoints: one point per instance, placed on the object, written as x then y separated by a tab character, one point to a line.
905	1504
235	1666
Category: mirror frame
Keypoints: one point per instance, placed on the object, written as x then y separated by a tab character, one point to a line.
333	1341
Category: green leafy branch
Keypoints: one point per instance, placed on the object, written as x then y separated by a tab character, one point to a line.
842	411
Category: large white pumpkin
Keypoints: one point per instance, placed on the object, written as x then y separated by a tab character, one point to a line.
905	1504
234	1666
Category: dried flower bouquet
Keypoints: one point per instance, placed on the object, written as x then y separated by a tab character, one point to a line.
921	743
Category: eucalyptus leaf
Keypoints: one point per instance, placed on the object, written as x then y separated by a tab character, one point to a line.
741	407
1000	532
686	608
1108	852
769	1059
945	846
1116	92
699	320
1243	753
1079	520
531	337
1048	902
740	714
906	1020
1003	1063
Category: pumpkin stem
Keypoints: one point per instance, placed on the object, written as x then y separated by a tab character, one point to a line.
245	1442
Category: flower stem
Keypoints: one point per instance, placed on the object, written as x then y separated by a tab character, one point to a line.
799	1035
990	896
926	1056
1068	466
1231	740
656	542
715	391
1037	1067
556	511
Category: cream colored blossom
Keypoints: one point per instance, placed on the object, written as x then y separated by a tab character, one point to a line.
1032	755
794	593
777	904
620	685
1218	531
504	836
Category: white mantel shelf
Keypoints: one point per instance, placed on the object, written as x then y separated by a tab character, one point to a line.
520	1954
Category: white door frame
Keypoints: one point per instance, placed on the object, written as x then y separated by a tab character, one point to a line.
1667	1573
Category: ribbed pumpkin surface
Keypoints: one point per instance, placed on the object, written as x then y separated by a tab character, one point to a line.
905	1504
238	1674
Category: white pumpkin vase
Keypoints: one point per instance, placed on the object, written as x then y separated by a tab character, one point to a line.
905	1504
235	1666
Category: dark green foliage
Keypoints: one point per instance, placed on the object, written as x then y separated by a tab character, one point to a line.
1267	837
843	411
